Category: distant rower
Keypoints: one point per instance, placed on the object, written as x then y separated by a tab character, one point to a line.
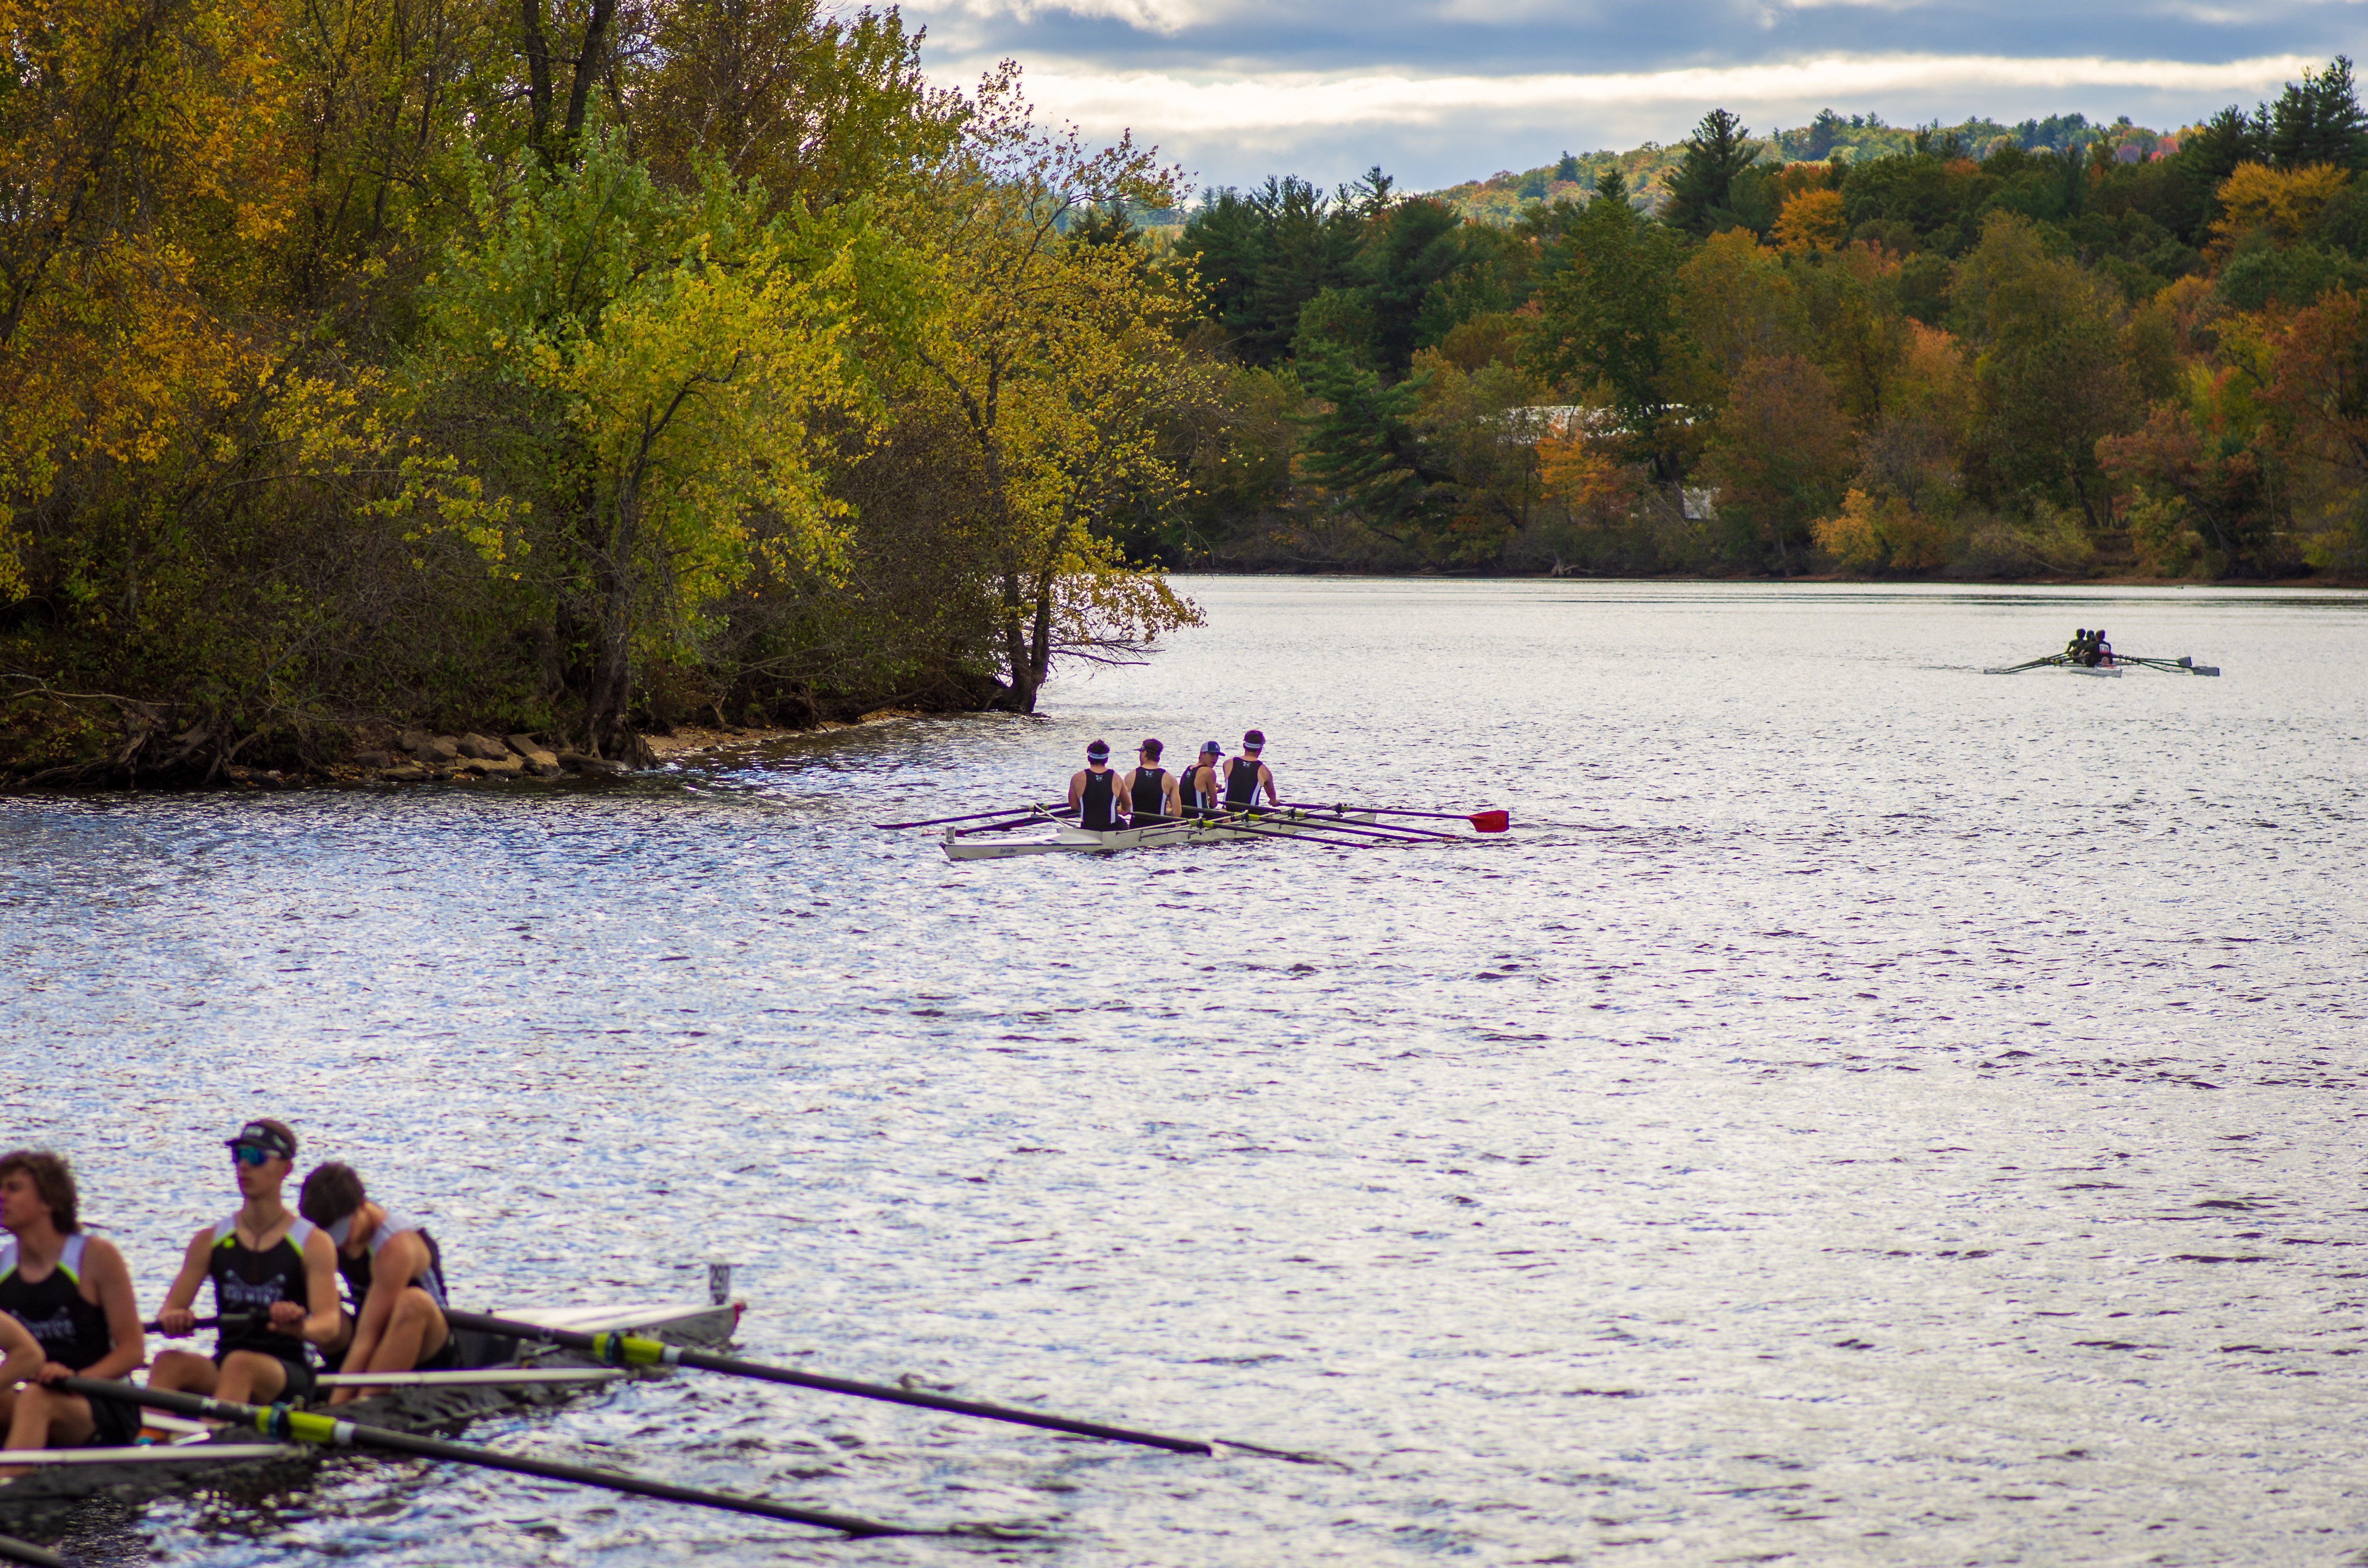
275	1270
72	1295
1149	789
394	1272
1196	789
1245	776
1091	792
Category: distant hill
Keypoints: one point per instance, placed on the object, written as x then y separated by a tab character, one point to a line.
1500	198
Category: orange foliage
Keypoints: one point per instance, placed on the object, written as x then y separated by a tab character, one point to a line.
1811	220
1868	535
1583	475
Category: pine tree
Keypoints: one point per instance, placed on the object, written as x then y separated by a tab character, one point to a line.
1715	153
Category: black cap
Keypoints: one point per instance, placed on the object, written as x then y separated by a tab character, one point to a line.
1253	740
1211	748
268	1136
1097	750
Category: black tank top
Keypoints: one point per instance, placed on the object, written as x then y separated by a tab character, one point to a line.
247	1282
1188	791
72	1332
358	1270
1241	783
1150	801
1094	809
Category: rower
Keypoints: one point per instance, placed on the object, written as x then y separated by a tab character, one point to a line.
2079	646
394	1272
1196	789
72	1295
1149	789
1245	775
2100	651
275	1270
1091	792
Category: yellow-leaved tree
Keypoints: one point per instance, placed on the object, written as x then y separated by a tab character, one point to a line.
661	378
1050	357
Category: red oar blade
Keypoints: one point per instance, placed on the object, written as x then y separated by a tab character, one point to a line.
1491	822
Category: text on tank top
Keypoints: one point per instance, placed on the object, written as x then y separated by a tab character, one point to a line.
71	1331
1093	806
248	1282
1241	782
358	1271
1150	792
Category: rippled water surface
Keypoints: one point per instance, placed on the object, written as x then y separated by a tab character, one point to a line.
1866	1112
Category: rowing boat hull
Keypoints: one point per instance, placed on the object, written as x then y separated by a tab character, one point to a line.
49	1497
1069	839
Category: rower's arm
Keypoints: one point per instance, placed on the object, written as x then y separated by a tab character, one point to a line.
321	1315
1175	797
1266	777
130	1341
184	1291
21	1353
1077	791
398	1264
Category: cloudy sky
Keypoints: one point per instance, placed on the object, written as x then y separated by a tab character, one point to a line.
1438	91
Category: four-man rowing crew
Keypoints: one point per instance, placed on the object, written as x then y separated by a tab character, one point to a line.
2089	654
71	1333
1148	807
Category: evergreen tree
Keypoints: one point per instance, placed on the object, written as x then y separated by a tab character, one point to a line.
1363	447
1699	192
2318	120
1568	168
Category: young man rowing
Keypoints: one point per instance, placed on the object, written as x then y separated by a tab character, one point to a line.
71	1294
1093	792
1245	776
274	1273
393	1270
1149	791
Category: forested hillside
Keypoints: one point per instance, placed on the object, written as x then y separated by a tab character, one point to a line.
1973	359
559	367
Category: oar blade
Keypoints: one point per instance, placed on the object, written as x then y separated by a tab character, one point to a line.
1491	822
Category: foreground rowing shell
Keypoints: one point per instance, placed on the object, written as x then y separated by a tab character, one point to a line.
50	1495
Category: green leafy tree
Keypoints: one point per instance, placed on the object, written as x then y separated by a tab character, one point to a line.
1363	447
1610	314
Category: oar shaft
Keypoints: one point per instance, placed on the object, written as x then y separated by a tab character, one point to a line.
634	1350
229	1320
15	1550
1382	811
1377	829
971	816
280	1421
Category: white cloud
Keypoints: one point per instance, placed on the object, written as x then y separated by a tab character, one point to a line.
1160	106
1167	18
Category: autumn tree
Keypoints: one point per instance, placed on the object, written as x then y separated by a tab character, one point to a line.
1057	359
1780	452
1610	315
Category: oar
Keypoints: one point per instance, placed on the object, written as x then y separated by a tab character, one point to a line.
632	1350
1482	822
973	816
1386	832
15	1550
1242	825
2030	664
1395	830
1015	822
229	1321
280	1421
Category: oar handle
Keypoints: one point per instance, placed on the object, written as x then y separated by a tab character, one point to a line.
231	1320
291	1425
623	1350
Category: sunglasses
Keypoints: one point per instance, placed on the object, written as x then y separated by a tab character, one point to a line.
248	1155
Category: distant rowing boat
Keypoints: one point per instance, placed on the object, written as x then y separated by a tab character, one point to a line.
1067	838
425	1402
2111	667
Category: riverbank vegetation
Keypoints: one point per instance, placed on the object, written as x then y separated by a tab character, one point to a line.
2117	353
565	368
568	369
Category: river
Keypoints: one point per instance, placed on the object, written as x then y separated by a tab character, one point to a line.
1867	1111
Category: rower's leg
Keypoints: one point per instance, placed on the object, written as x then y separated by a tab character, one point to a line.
46	1418
416	1330
249	1377
184	1371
